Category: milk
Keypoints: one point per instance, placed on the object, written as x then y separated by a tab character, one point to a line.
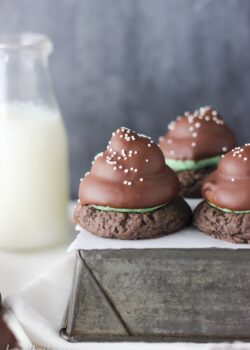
33	177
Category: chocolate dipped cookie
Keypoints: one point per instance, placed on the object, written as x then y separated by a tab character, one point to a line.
193	146
130	193
225	212
7	338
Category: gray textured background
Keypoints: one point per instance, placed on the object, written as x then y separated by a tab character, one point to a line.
139	63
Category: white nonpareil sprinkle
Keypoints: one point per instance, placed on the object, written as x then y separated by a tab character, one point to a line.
125	170
141	179
146	160
171	126
172	151
129	183
224	148
194	134
125	182
233	179
193	144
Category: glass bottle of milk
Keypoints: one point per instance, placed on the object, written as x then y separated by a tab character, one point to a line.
33	147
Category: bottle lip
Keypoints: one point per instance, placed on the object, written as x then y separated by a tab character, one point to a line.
25	41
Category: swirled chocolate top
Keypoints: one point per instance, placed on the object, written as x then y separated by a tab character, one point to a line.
229	185
197	136
131	174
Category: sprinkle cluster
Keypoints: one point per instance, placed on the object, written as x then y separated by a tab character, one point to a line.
118	159
194	119
238	152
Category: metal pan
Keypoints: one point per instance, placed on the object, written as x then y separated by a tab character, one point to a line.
198	295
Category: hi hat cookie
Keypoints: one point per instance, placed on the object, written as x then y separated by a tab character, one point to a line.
130	193
193	146
225	213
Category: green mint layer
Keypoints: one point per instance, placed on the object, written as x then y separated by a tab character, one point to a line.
181	165
124	210
225	210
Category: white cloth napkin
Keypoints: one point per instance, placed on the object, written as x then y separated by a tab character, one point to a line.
40	308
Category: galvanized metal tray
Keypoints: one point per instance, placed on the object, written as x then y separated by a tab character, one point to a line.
155	295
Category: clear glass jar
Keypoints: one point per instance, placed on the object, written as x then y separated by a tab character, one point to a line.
33	147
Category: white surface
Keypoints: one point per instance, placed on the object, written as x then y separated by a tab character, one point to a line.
18	269
187	238
40	308
33	177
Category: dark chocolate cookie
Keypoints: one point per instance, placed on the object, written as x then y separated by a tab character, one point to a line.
231	227
170	218
191	181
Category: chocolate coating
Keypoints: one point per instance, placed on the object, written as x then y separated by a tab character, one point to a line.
196	136
7	338
229	186
131	174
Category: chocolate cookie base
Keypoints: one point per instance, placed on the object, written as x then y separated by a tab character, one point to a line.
171	218
191	181
230	227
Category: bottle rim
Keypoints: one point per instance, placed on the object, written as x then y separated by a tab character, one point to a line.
25	41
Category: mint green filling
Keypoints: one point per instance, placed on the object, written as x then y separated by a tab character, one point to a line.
124	210
225	210
181	165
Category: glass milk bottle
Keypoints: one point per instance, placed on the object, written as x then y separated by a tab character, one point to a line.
33	147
